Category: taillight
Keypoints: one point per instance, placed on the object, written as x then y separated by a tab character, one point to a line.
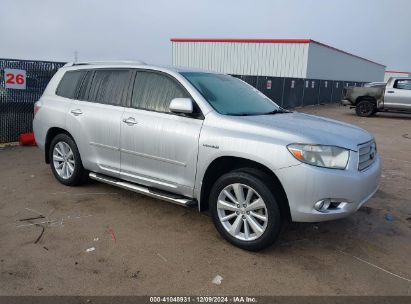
36	108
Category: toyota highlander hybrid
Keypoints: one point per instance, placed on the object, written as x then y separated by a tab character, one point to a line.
203	139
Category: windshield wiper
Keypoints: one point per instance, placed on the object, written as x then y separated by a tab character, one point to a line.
279	111
240	114
256	114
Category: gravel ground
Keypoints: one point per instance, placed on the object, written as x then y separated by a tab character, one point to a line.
100	240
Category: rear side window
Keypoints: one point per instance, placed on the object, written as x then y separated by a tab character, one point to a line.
154	91
85	86
70	84
109	87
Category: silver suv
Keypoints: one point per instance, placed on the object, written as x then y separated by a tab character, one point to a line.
201	139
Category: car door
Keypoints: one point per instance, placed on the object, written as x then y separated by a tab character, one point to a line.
94	119
159	148
399	97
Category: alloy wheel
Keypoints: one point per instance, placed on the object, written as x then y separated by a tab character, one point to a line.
242	212
63	160
366	108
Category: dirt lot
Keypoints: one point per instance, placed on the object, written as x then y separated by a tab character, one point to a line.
146	246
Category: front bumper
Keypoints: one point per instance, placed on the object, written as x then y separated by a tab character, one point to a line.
305	185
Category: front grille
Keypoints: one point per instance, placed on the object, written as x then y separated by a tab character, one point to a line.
367	155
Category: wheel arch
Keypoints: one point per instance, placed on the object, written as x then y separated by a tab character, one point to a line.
51	133
224	164
368	98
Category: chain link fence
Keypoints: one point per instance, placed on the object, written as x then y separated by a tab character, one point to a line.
298	92
16	105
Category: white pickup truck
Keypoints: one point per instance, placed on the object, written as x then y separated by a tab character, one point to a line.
393	96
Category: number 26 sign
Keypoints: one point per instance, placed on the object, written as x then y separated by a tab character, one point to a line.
15	79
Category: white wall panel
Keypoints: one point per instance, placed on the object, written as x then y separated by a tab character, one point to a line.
299	60
266	59
390	74
327	63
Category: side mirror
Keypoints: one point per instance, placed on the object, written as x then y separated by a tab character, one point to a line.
181	105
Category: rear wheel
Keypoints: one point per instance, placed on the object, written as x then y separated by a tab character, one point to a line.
65	161
245	211
365	108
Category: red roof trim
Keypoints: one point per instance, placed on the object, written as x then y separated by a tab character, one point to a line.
398	72
268	41
241	40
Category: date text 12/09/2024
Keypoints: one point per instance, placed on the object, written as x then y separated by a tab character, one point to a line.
204	299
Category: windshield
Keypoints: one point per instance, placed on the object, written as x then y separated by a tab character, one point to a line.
231	96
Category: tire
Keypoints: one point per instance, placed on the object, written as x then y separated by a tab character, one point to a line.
247	236
365	108
65	165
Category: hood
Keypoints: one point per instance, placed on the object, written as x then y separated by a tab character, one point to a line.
310	129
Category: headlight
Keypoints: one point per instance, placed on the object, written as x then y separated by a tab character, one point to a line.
321	156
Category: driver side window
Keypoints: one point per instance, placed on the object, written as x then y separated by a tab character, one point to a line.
154	91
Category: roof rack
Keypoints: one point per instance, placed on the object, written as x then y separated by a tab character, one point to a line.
104	62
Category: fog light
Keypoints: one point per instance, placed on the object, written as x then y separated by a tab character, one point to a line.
322	205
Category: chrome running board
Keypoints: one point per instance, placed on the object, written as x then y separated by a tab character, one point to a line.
165	196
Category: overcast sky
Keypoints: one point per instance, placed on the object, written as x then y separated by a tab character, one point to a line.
379	30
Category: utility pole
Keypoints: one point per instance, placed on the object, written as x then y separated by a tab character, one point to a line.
75	56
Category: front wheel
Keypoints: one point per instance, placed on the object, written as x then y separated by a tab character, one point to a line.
365	108
245	211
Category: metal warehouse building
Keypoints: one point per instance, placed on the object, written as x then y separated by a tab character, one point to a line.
389	74
293	72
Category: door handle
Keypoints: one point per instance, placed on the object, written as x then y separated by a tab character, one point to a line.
390	91
76	112
130	121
